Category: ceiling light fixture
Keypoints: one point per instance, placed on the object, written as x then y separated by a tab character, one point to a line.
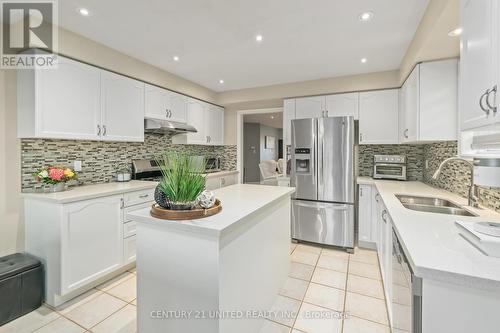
364	60
221	81
366	16
258	38
455	32
84	11
176	58
272	117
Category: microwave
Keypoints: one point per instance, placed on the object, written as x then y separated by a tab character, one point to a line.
389	167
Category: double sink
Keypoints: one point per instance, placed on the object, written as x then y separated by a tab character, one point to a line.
433	205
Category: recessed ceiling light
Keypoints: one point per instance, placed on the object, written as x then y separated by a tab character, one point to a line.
272	117
84	11
258	38
176	58
366	16
364	60
221	81
455	32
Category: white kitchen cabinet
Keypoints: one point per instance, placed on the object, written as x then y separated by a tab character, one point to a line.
122	108
365	215
310	107
129	249
214	182
288	116
429	103
62	103
479	59
378	117
165	104
92	241
341	105
215	125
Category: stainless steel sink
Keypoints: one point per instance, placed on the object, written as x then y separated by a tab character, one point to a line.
433	205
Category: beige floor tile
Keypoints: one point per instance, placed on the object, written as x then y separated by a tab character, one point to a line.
61	325
77	301
399	278
366	307
134	302
304	257
365	286
401	315
115	281
315	319
296	331
271	327
123	321
294	288
365	256
309	248
301	271
333	263
401	295
365	270
337	253
326	297
96	310
30	322
293	246
126	290
358	325
284	310
133	270
329	278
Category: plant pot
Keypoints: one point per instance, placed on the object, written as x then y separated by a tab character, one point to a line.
59	187
182	205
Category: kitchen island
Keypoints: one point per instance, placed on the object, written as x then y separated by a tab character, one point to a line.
216	274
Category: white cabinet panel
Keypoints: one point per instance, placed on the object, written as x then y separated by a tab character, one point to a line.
212	183
215	125
409	114
378	117
365	213
122	108
479	56
92	240
164	104
228	180
309	107
288	116
129	249
340	105
177	106
197	117
66	100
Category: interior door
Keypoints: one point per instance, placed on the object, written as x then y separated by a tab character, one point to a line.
323	223
304	173
335	159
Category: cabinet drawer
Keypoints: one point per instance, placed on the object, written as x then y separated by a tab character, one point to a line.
129	249
129	229
138	197
127	210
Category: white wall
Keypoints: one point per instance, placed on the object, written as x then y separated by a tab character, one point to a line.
268	153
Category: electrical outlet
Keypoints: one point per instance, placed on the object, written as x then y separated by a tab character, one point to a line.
77	165
427	164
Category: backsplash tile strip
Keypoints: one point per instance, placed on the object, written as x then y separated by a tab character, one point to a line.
101	160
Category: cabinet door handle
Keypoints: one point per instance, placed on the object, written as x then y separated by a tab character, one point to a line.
360	137
170	113
376	197
98	130
481	102
144	196
487	99
406	133
104	130
384	216
360	191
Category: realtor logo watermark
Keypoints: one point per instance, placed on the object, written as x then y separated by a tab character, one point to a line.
29	34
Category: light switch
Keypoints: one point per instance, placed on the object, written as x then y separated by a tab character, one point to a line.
77	165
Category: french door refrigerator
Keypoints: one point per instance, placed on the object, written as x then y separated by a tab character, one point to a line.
322	172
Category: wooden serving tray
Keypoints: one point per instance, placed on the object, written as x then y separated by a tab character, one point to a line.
197	213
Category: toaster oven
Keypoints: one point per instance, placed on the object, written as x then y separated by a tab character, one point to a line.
389	167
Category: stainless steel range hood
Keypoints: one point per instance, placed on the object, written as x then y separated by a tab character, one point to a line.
167	126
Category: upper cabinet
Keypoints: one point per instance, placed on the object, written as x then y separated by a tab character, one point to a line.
165	104
479	55
340	105
310	107
429	103
78	101
378	117
288	116
208	120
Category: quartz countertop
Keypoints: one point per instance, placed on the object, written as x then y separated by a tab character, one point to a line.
432	242
221	173
85	192
238	201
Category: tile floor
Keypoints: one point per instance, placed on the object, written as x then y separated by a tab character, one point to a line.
327	291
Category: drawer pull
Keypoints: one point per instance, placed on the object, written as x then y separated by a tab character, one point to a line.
144	196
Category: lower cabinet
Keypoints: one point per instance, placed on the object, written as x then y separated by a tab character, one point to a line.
365	215
215	182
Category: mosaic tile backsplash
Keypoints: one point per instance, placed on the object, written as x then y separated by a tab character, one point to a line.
101	160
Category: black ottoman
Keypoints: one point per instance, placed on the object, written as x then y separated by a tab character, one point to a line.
21	286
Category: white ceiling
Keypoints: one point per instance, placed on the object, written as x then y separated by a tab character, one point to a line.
267	119
215	39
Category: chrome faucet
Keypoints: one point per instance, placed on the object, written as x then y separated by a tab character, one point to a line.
473	190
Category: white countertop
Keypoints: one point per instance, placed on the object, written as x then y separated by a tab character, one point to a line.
221	173
85	192
432	242
238	201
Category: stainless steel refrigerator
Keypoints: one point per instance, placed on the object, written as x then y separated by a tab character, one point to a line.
322	172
